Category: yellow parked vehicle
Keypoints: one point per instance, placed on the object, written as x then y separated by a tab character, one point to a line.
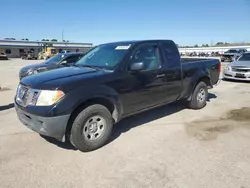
47	53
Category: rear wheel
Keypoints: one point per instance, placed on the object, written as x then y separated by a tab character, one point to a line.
91	128
199	96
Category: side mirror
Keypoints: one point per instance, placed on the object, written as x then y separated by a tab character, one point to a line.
137	66
64	62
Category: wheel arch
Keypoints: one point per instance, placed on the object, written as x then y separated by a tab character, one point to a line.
114	109
206	79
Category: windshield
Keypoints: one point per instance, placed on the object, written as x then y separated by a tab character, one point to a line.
55	59
105	56
244	57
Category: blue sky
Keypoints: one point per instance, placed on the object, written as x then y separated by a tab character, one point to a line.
187	22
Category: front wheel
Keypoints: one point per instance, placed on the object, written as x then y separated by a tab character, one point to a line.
199	96
91	128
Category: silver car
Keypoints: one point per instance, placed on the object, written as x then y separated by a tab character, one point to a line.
238	69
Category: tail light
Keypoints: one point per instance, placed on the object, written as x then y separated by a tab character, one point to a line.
219	67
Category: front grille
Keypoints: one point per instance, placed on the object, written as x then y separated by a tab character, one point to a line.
22	95
26	96
240	70
239	76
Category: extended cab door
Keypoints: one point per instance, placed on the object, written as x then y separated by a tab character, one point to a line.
173	70
147	87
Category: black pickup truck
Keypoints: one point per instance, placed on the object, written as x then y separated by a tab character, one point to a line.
111	82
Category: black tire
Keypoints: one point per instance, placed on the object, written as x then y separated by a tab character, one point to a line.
77	137
196	102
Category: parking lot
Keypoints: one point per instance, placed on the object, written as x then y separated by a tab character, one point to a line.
170	146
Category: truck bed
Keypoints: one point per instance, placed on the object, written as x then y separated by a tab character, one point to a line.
187	60
195	66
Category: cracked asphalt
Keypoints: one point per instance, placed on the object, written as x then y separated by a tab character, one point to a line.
170	147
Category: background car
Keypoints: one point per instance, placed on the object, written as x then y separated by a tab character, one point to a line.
231	54
3	56
57	61
29	55
239	69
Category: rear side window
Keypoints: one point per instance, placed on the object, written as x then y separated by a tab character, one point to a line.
149	54
172	54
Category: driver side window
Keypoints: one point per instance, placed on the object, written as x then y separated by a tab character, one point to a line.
149	55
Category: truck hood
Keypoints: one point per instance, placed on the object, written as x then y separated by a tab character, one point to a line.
245	64
58	76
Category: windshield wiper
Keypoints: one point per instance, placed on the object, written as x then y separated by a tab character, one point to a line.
88	66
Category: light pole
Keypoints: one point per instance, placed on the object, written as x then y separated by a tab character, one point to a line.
62	35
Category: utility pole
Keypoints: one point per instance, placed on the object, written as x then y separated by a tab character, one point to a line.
211	42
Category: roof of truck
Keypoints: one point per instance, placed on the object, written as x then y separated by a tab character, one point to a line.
139	41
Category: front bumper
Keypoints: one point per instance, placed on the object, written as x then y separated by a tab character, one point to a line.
235	75
49	126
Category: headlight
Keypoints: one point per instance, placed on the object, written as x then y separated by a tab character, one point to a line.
44	97
32	72
229	68
47	98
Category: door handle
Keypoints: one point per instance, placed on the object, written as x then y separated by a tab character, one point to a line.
160	75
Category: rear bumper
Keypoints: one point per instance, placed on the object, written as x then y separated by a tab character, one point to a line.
49	126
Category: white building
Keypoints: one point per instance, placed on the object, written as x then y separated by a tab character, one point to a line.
14	48
211	49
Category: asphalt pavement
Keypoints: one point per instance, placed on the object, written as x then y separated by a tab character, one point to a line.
170	147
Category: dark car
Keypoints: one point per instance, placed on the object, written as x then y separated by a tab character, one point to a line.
57	61
112	81
231	54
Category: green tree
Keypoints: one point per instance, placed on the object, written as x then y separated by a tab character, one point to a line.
205	45
219	43
9	39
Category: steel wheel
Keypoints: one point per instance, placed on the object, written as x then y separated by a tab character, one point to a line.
94	128
201	95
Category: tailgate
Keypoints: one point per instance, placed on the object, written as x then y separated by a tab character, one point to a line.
215	70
